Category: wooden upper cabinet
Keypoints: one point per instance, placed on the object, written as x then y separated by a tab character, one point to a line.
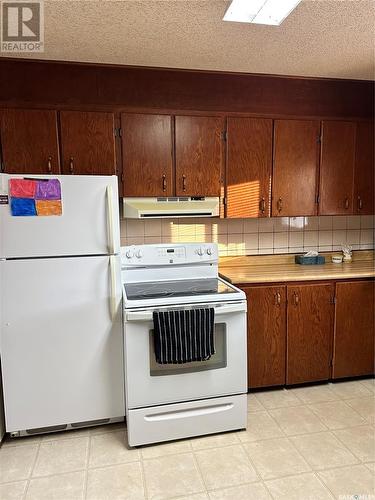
266	335
364	169
353	353
337	168
199	147
310	330
147	155
88	143
29	141
249	167
295	167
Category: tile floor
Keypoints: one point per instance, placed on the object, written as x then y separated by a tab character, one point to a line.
305	443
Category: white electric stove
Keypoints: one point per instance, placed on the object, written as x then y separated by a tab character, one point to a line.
173	401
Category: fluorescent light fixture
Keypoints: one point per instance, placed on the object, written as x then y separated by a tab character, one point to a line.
271	12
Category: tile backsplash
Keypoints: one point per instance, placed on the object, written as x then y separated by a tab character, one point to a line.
256	236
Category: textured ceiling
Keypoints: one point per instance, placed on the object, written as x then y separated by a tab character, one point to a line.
328	38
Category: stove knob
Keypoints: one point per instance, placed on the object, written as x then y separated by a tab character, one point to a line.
200	251
209	251
129	254
138	254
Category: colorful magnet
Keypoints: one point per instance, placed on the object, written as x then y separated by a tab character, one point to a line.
48	207
48	190
22	188
22	207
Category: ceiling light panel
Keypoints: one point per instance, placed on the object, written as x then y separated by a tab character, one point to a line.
271	12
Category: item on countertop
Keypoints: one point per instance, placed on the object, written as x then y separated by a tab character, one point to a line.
347	252
337	259
310	258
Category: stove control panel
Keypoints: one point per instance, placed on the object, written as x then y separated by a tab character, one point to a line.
169	254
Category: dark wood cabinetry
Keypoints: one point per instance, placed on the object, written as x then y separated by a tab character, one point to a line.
198	142
249	167
147	155
266	335
337	168
364	170
295	167
354	330
29	141
88	143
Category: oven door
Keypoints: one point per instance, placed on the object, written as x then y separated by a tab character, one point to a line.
225	373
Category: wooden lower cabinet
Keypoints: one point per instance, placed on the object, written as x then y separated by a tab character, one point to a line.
266	335
353	353
310	327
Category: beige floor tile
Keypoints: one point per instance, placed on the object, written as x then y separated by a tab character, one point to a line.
253	404
16	462
224	467
196	496
323	450
360	441
315	394
172	476
297	420
352	389
303	486
215	441
60	487
111	448
20	441
365	407
118	482
13	491
346	481
278	399
161	450
371	466
276	458
66	455
259	426
101	429
369	383
57	436
337	415
255	491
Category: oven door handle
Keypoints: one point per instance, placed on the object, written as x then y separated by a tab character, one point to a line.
146	315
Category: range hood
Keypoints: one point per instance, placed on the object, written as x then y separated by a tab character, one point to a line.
183	206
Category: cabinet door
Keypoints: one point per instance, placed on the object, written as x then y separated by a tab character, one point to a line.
310	329
249	167
354	333
147	155
266	335
198	155
88	143
364	170
337	168
29	141
295	167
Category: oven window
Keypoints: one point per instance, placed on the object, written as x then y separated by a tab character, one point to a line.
218	360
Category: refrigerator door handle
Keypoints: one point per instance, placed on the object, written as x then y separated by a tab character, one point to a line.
111	239
113	286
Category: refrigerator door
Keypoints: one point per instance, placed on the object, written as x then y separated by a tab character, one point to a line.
89	224
61	341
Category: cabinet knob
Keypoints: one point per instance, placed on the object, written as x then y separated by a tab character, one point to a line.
164	182
262	205
71	165
360	203
346	203
277	299
184	183
49	164
295	298
279	204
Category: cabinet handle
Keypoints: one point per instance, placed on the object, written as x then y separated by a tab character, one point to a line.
279	204
49	164
295	298
277	299
346	203
360	203
262	205
184	183
71	164
164	182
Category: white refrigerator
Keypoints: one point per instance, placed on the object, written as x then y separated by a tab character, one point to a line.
60	306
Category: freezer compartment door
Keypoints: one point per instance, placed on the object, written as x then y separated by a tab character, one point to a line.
61	341
182	420
89	224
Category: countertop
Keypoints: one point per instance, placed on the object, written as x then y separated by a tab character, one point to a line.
281	268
